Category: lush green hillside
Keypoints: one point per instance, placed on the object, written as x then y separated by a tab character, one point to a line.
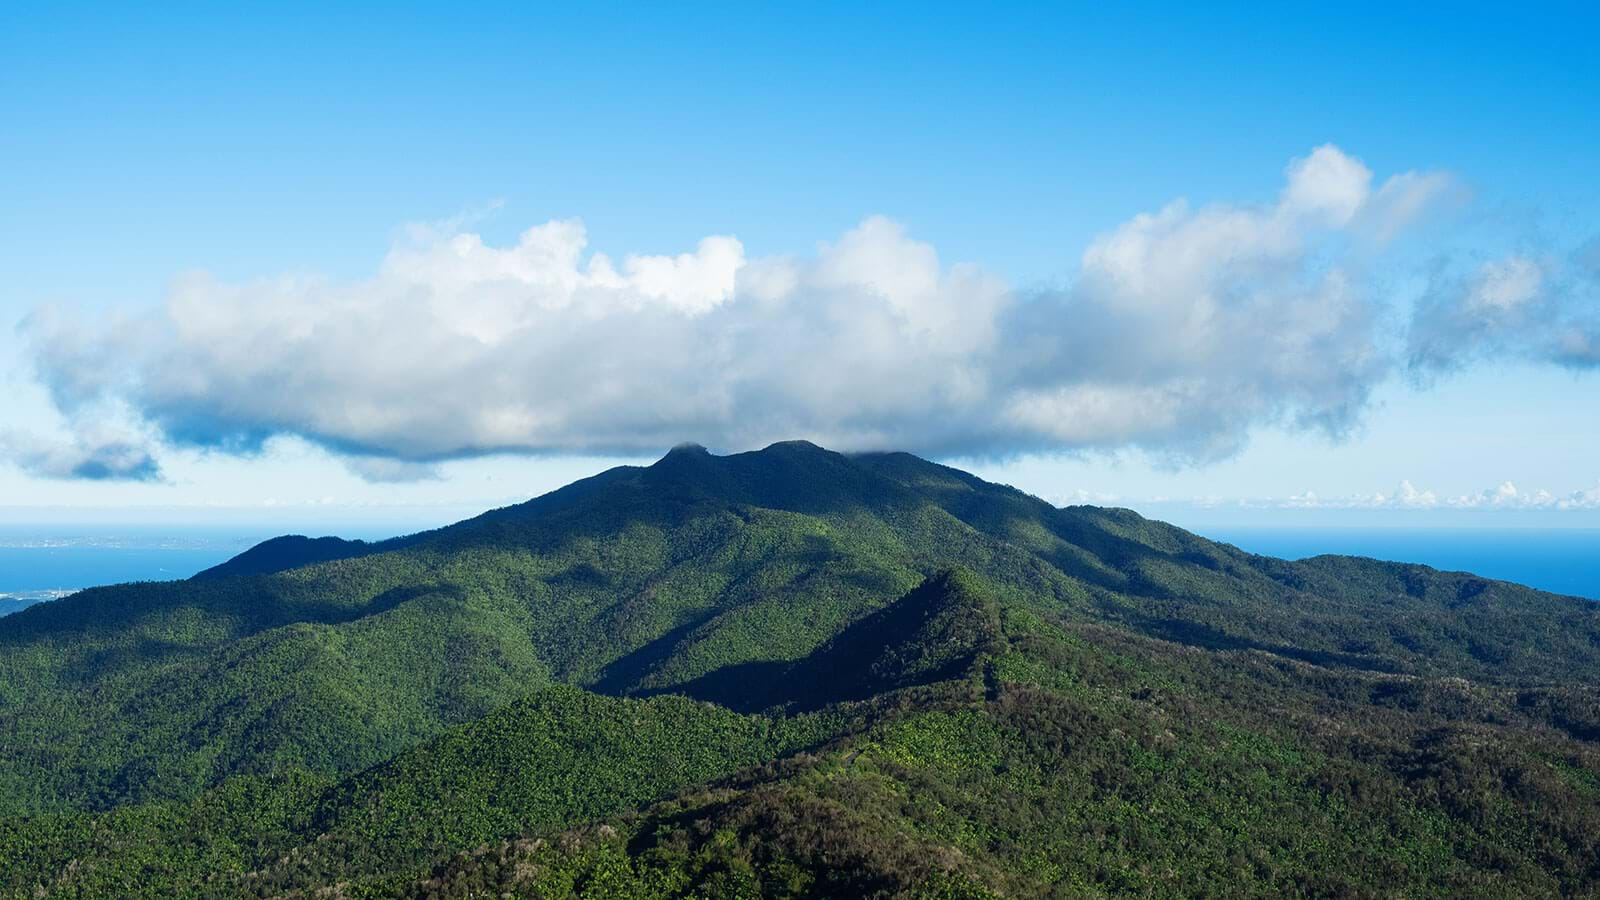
555	758
865	675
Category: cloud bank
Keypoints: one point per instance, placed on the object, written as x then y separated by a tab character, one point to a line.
1184	329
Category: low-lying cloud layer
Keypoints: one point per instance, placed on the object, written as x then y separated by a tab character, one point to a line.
1183	330
1405	496
1504	495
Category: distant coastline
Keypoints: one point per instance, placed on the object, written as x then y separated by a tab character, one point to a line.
17	601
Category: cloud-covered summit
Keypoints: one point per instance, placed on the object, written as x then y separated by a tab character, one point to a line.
1184	329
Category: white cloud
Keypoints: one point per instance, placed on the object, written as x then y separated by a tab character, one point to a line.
1328	184
1409	497
1405	496
1187	328
1506	495
1505	285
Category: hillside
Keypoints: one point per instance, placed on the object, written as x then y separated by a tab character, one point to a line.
797	673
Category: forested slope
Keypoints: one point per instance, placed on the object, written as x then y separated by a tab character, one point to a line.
856	675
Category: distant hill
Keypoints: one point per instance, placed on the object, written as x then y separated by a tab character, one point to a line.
798	673
289	552
10	604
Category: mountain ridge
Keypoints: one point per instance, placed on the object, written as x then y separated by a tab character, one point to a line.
848	633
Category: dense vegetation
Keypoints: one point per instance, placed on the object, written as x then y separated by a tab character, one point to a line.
794	673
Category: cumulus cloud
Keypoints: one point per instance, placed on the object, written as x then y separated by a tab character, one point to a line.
1506	495
92	454
1544	308
1185	329
1406	496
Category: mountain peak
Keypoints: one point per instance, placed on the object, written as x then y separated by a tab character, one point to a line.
937	631
687	456
795	445
691	449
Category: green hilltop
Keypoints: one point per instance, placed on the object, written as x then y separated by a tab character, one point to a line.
797	673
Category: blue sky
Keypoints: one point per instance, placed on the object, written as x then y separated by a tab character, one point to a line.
289	154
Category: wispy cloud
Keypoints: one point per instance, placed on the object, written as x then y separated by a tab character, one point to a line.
386	470
92	454
1539	307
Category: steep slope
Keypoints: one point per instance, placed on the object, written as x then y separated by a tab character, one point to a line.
940	630
1056	759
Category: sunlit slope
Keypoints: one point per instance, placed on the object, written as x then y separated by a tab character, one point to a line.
964	746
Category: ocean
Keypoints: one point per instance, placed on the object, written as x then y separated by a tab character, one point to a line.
39	563
42	563
1560	560
45	562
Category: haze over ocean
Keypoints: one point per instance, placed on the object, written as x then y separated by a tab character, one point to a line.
41	559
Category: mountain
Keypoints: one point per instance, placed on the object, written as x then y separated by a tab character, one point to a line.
793	672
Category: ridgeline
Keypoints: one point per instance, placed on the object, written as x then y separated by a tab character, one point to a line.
796	673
